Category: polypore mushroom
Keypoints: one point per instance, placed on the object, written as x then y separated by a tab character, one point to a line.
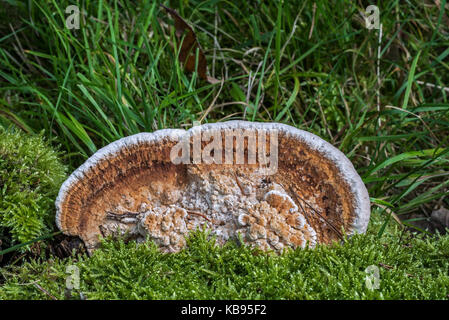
164	184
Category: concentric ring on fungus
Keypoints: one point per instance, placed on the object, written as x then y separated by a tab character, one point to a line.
134	187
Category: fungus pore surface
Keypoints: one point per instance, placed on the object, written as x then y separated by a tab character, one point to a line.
308	193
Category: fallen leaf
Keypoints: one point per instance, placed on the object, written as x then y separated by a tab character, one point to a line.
442	216
189	46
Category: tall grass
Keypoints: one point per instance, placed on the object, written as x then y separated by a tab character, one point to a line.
310	64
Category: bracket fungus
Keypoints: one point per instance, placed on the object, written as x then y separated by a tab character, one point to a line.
269	184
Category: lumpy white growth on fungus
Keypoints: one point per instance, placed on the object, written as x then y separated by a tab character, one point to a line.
232	205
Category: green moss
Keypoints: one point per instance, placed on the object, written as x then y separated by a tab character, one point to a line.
413	268
30	177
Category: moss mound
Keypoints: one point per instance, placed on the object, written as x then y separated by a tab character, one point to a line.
30	176
410	267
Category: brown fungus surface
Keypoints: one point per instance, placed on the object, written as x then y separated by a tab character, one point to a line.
134	187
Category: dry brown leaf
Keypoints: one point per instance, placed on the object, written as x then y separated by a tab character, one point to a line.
189	46
442	216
